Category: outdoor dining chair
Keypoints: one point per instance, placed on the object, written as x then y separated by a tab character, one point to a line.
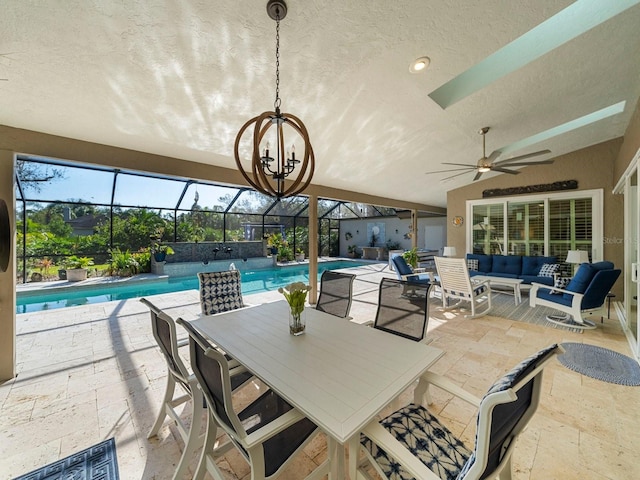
268	432
220	291
402	312
414	443
165	334
336	293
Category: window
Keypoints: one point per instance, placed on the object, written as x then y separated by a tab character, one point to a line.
548	224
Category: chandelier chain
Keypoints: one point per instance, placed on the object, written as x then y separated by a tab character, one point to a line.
277	102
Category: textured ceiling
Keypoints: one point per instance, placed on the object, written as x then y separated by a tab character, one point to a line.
179	78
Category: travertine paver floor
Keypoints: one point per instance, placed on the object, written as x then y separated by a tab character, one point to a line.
92	372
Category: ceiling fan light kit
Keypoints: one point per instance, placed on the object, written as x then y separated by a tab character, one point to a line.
489	164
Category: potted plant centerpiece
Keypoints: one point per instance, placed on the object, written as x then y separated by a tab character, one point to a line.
296	295
76	268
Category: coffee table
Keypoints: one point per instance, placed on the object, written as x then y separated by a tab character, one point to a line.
513	283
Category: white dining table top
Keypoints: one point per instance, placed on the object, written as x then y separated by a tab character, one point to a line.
339	374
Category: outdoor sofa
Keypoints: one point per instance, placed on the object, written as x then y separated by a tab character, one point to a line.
529	268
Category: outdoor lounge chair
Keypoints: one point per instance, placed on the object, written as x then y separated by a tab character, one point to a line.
456	284
404	272
413	443
586	292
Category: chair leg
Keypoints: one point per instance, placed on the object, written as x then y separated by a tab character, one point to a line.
505	473
195	439
168	396
207	463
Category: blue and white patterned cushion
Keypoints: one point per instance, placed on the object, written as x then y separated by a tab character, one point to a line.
548	269
560	282
472	264
220	291
426	438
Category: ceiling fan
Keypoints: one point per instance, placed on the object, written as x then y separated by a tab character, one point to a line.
488	164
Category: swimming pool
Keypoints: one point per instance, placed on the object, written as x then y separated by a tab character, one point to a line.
254	281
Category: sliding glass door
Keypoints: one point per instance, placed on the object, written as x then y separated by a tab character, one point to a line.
632	232
539	225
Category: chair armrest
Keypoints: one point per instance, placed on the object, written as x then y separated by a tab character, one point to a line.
447	385
393	447
272	428
183	343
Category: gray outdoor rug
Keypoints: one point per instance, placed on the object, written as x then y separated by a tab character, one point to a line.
98	462
600	363
503	305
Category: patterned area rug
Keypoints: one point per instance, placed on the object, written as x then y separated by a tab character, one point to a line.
600	363
98	462
503	305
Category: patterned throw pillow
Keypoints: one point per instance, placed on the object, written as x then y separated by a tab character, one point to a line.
560	282
548	269
472	264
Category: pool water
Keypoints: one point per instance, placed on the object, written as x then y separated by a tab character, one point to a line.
255	281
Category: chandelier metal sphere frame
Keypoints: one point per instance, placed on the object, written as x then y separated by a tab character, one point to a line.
268	173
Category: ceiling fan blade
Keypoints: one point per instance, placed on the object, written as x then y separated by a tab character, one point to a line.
468	169
469	165
504	170
495	154
539	162
522	157
478	175
454	176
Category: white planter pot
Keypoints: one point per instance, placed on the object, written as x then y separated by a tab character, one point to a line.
76	274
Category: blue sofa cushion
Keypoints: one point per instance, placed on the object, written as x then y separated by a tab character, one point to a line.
502	275
532	265
510	264
537	279
485	262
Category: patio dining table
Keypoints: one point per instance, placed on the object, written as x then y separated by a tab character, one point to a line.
338	373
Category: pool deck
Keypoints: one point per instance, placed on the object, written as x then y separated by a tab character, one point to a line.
91	372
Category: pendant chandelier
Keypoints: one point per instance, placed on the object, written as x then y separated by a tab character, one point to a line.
271	161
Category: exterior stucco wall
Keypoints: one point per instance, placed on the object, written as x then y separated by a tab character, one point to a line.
592	167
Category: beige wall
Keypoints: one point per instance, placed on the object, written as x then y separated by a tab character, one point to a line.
592	167
8	278
630	145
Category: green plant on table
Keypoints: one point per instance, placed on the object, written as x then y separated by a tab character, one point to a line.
411	256
295	294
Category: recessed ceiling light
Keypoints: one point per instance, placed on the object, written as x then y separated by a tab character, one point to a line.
419	64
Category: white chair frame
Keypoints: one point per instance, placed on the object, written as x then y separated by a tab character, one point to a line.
455	284
414	466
